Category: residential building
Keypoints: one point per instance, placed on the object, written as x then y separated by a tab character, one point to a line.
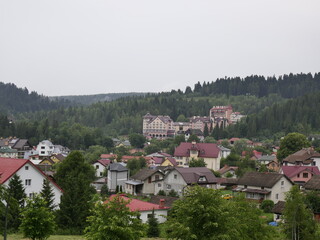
8	152
143	182
159	126
300	174
145	208
304	157
31	176
264	186
220	112
228	171
117	175
21	145
313	184
210	152
179	178
199	123
236	117
225	152
101	166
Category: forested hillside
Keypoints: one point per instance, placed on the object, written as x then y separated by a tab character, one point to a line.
94	98
269	113
287	86
15	100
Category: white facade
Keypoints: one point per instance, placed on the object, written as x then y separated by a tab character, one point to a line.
100	169
277	192
32	180
45	148
160	214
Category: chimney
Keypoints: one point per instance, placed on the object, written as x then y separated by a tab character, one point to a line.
161	204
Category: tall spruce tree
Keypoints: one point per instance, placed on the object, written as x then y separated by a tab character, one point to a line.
15	202
47	194
153	226
74	175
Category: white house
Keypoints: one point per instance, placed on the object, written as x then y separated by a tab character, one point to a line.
145	208
45	148
179	178
32	177
101	166
264	186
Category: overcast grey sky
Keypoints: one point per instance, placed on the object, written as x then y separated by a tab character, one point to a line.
62	47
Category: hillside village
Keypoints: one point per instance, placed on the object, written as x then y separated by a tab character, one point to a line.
161	177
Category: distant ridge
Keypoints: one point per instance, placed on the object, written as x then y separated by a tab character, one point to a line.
94	98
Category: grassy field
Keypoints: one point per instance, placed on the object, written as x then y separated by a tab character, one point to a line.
53	237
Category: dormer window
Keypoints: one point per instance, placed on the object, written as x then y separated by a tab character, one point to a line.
202	179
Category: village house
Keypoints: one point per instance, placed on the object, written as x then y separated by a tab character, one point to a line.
210	152
7	152
313	184
101	166
270	161
228	171
21	145
143	182
145	208
225	152
264	186
304	157
300	174
31	176
117	175
179	178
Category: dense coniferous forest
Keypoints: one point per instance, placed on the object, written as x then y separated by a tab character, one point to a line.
274	107
15	100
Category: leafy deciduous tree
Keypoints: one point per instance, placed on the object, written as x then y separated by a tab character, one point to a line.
113	221
37	220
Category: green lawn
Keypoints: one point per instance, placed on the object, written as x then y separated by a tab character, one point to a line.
53	237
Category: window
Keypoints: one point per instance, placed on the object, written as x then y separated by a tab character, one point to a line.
202	179
277	196
28	182
298	175
305	175
168	186
42	152
175	176
26	167
149	179
97	166
282	183
42	147
157	177
159	184
31	195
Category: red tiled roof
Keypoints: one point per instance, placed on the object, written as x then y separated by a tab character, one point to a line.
206	150
291	171
9	166
157	160
104	162
173	161
138	205
105	156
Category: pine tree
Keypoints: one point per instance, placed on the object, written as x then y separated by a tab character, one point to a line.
47	194
75	176
16	202
206	130
153	226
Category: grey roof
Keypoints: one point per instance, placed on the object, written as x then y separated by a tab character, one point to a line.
117	167
313	183
193	174
267	158
305	155
144	173
21	143
279	207
259	179
222	148
132	182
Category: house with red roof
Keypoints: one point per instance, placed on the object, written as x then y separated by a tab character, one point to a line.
145	208
101	166
210	152
300	174
32	177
